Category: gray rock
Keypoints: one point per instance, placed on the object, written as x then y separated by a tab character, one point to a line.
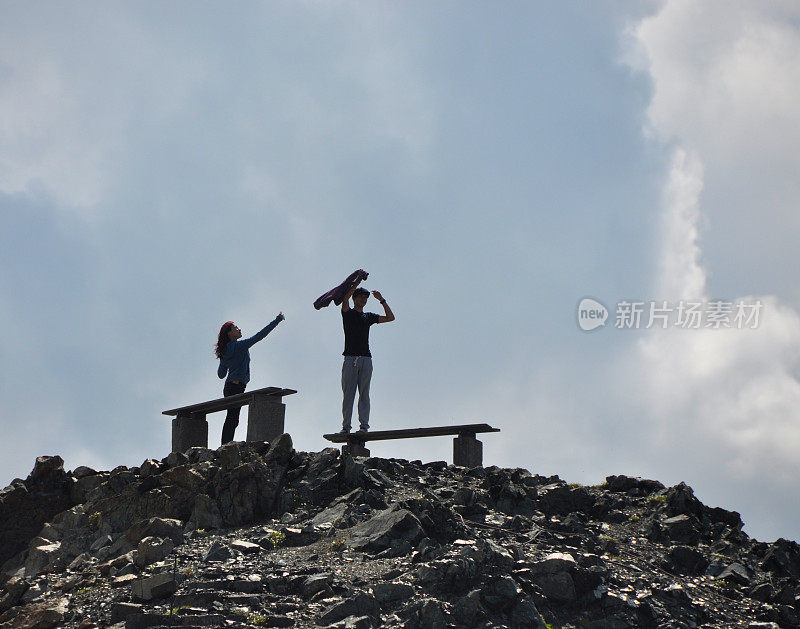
316	583
183	476
218	552
553	576
386	593
430	614
150	467
687	560
43	615
40	557
152	549
736	573
525	616
625	484
200	455
121	611
101	542
468	609
155	587
682	528
391	525
175	458
147	620
280	450
206	514
229	456
245	547
361	604
15	588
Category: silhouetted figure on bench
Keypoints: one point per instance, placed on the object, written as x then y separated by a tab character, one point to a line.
234	361
357	365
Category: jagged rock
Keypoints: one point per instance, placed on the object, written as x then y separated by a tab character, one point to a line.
150	467
144	620
27	505
40	557
154	527
280	450
480	547
427	614
42	615
736	573
294	536
783	559
526	616
315	584
686	560
173	459
681	501
553	576
153	549
361	604
391	526
467	610
206	514
218	552
682	528
183	476
15	588
121	611
625	484
157	586
560	499
501	592
245	547
200	455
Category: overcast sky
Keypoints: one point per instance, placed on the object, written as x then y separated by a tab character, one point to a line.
165	167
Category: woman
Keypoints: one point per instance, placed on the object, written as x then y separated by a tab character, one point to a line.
234	360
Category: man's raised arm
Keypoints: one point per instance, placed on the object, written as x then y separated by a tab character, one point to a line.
349	294
388	314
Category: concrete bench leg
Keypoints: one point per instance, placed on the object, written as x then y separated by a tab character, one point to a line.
188	432
265	418
467	450
355	448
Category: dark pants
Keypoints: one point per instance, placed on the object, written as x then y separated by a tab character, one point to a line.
232	418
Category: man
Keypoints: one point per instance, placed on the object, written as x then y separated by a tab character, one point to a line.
357	366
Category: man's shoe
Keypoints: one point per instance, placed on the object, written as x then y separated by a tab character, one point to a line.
344	431
361	431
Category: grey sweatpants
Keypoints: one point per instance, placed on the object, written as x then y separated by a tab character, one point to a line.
356	372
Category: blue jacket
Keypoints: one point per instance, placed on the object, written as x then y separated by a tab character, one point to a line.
236	361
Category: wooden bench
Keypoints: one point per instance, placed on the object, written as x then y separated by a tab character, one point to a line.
264	419
467	450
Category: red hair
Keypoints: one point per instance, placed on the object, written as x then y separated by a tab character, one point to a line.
222	339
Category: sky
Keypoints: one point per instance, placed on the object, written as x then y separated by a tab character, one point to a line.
166	167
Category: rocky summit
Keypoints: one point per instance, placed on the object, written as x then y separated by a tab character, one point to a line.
260	535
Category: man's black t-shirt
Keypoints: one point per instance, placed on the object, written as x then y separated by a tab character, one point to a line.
356	332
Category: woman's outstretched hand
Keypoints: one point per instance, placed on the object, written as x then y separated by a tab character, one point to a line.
280	316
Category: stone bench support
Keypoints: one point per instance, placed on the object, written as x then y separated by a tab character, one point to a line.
265	418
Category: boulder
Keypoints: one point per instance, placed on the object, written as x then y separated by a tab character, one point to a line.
154	587
153	549
280	450
682	528
388	527
43	615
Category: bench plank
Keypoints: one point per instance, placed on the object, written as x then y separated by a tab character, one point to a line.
409	433
223	403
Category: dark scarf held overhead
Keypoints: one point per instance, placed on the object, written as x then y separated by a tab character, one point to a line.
336	295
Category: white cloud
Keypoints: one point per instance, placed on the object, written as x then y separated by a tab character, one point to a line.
731	392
